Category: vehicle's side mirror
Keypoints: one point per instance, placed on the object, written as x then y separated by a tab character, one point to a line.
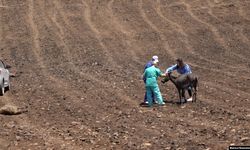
7	66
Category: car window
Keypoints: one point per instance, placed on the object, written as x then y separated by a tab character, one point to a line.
1	64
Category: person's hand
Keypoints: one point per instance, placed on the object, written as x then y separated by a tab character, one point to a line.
163	75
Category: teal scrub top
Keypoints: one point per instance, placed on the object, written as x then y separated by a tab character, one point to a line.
151	74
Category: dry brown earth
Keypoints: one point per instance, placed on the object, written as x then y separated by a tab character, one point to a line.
78	65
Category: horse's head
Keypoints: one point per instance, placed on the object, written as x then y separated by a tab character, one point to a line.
171	76
169	73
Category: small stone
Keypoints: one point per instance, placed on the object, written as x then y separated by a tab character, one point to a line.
68	138
147	144
244	139
18	138
159	115
10	125
74	123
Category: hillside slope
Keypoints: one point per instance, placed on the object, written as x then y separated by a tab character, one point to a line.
79	62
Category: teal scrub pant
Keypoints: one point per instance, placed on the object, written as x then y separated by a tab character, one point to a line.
153	90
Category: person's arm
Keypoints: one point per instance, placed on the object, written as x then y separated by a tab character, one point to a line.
187	69
171	69
159	73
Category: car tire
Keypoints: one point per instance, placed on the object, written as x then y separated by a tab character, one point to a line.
2	90
8	87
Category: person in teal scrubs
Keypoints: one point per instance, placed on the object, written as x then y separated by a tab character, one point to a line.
151	75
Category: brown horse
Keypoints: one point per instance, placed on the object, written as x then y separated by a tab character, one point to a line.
184	82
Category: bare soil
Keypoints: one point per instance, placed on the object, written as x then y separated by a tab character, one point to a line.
78	64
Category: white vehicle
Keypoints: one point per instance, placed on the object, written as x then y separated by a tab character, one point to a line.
4	78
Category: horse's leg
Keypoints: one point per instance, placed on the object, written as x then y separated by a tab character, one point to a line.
192	94
195	94
195	89
184	96
179	91
190	91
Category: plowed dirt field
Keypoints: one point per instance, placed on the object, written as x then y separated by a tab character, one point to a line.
78	65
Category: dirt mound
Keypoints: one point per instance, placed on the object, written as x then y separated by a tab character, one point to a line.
79	65
11	110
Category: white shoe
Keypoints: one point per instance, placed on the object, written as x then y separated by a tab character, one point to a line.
190	99
163	103
155	102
